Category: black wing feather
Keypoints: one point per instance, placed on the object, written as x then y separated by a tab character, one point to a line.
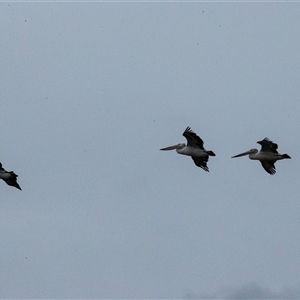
193	138
269	166
201	162
267	145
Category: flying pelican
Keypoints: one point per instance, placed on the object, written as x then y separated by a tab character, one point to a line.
267	156
194	148
9	177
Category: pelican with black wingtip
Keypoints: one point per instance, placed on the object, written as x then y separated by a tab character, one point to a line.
267	156
194	148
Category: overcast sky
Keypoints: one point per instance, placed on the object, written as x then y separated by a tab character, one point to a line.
90	92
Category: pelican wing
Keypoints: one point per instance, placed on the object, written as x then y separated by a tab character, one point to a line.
201	162
12	180
9	177
269	166
268	146
193	140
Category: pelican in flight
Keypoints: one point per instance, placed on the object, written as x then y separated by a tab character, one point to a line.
9	177
267	156
194	148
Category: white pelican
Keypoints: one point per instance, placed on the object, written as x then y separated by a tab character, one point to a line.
267	156
9	177
194	148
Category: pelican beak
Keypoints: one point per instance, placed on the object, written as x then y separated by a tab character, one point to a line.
170	148
242	154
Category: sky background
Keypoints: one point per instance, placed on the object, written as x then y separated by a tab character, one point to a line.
90	92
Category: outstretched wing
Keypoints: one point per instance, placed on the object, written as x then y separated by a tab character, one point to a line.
201	162
12	180
193	140
268	146
269	166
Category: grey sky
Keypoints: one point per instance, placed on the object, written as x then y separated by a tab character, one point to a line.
89	94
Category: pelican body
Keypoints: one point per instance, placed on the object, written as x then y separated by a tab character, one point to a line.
9	177
267	156
194	148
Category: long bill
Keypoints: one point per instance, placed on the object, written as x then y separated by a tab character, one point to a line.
242	154
170	147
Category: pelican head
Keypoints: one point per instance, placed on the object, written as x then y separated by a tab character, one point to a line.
249	152
177	146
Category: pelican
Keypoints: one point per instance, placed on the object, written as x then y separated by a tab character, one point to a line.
9	177
194	148
267	156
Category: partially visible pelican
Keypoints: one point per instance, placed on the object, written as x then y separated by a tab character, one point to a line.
194	148
267	156
9	177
